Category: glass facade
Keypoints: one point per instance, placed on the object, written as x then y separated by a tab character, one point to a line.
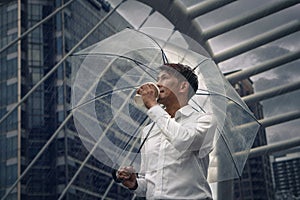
8	97
48	106
286	173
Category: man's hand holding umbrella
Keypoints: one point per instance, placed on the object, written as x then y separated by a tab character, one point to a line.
128	177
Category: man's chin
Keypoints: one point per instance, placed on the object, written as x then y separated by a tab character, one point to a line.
159	100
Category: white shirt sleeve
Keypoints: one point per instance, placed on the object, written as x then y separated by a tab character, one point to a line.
189	136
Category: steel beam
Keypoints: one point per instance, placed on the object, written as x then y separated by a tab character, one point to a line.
278	119
177	14
273	92
247	18
274	147
257	41
205	7
262	67
270	148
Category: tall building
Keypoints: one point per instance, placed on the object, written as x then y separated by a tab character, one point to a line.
286	173
29	127
256	180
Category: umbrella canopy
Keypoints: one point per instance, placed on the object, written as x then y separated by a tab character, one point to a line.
109	123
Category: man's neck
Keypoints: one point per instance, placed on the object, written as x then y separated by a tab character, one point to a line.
172	109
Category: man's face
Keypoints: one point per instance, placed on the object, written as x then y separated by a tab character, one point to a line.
169	86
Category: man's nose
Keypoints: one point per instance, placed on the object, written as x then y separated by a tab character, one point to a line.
158	84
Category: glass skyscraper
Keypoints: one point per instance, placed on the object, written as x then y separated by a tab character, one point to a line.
28	128
286	173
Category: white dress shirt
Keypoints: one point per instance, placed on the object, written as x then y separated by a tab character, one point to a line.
171	167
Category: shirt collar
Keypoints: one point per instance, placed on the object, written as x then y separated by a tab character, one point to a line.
184	111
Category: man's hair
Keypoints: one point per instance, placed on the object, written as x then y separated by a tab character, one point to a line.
183	72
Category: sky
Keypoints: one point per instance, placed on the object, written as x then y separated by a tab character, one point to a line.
137	14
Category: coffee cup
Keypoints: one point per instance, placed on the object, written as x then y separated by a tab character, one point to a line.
138	100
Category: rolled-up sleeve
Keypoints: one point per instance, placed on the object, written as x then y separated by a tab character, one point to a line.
187	136
142	187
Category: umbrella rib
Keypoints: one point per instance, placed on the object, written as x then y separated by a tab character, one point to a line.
113	55
214	93
230	153
200	64
124	88
103	95
164	57
198	106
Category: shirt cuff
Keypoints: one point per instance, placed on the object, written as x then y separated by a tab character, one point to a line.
141	188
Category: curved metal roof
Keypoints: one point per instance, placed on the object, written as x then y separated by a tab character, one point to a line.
256	39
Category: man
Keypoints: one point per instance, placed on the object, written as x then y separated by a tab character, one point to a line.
171	166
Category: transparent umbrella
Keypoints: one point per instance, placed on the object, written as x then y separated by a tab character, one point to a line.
106	117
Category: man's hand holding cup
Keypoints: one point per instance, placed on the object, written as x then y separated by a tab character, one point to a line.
147	95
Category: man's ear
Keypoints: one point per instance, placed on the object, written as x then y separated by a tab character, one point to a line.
184	87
